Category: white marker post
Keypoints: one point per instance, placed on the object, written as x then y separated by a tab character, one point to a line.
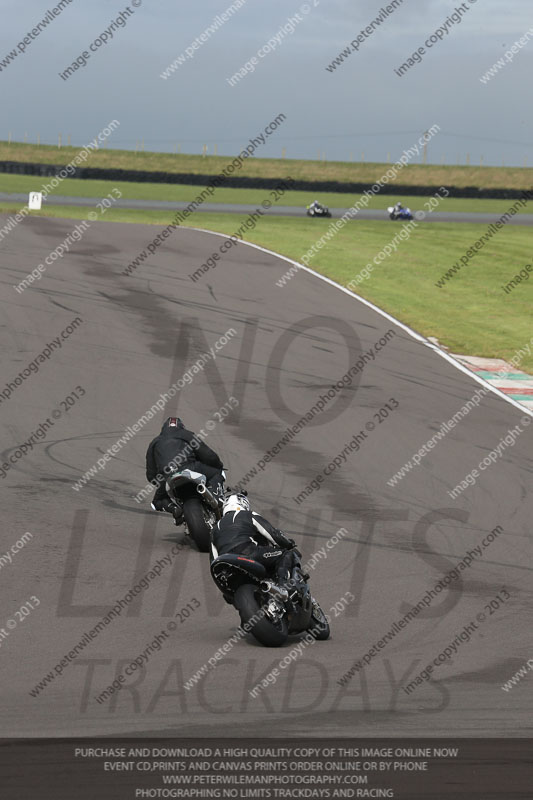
35	202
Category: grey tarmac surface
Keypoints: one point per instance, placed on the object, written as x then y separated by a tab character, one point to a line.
280	211
138	336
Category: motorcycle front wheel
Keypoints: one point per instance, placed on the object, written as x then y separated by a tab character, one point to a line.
266	631
319	626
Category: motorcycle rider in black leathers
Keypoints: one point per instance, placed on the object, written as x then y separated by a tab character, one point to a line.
175	449
246	533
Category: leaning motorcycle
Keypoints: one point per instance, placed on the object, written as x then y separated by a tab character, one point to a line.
269	609
201	509
318	211
404	213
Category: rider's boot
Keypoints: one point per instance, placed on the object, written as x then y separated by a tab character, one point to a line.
177	513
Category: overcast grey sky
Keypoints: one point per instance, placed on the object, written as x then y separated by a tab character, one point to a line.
362	106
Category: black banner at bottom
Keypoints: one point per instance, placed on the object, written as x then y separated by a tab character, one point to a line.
129	768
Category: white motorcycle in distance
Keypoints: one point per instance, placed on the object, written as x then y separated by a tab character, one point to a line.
316	209
201	508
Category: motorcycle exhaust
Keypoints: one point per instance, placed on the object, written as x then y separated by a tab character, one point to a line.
277	591
202	489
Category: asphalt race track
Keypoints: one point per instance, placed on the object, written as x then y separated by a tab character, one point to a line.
137	336
279	211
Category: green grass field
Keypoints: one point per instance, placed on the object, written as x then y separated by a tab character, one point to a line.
179	193
360	172
471	315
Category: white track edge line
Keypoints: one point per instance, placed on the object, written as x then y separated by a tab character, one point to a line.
410	331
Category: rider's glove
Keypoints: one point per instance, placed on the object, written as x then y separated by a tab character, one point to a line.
290	544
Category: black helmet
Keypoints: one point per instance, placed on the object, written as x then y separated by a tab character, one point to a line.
172	423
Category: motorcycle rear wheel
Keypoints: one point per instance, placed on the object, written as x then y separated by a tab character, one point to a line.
194	513
266	631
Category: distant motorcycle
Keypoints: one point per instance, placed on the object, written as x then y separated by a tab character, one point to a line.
201	509
269	609
403	213
318	210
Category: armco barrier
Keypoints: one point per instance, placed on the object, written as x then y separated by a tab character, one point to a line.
243	182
